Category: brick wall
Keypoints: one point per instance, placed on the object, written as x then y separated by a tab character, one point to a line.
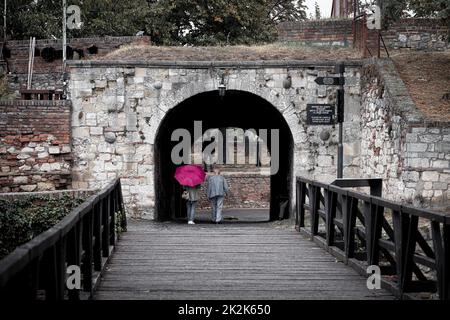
317	32
246	191
19	51
417	34
35	152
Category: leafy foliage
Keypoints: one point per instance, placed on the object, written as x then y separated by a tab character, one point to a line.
22	220
317	13
393	10
167	21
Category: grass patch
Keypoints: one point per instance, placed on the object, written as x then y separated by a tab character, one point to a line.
276	51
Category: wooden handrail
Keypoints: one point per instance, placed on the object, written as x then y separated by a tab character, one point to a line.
83	238
386	230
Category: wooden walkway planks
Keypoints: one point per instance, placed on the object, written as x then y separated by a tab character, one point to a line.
229	261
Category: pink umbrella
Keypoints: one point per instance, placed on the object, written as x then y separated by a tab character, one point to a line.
190	175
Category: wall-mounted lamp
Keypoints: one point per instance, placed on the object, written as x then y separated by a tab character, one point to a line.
222	87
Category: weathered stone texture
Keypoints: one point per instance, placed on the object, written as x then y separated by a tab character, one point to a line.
410	33
117	111
400	146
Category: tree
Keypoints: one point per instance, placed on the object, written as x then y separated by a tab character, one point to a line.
43	18
282	10
393	10
208	22
317	13
198	22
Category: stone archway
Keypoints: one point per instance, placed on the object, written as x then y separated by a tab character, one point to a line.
239	109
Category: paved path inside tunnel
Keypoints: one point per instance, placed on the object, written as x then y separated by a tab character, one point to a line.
240	259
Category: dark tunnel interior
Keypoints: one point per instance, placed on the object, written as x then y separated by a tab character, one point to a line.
237	109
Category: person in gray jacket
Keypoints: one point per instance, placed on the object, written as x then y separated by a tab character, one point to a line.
216	191
192	202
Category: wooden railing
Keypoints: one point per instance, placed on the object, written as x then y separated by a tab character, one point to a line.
411	246
84	238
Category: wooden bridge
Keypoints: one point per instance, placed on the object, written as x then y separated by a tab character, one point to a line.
270	260
235	260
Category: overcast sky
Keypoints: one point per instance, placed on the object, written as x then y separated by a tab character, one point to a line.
325	7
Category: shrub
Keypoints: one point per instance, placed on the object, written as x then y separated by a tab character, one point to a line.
23	219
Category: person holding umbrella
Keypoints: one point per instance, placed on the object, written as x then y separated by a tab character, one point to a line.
190	177
191	201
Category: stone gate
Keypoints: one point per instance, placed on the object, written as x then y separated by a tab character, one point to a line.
118	108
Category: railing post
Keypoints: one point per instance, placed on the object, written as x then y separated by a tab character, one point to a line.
349	221
112	216
400	223
123	222
302	204
61	267
50	269
98	209
106	208
409	251
441	242
297	204
330	212
374	221
88	251
73	256
313	204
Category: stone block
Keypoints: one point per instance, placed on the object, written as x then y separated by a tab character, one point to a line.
56	166
432	176
140	72
428	185
80	132
66	149
113	166
96	131
440	164
430	138
410	176
438	193
440	185
45	186
54	150
20	180
23	156
28	187
418	163
27	150
45	167
442	147
417	147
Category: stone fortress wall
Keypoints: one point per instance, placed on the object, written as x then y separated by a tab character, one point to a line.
410	153
117	109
